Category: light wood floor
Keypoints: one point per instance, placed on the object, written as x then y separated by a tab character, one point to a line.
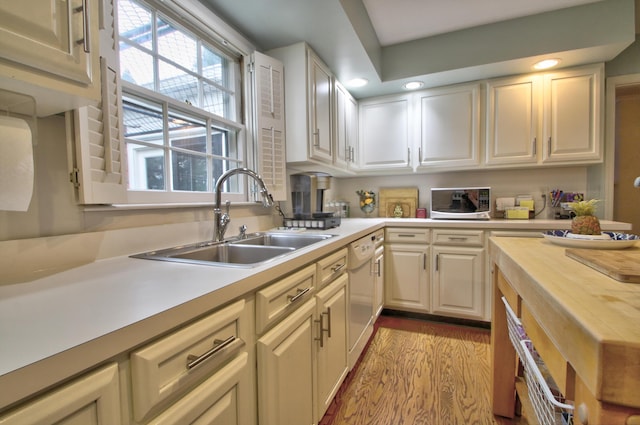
418	372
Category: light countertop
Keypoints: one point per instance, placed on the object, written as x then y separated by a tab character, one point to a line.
59	326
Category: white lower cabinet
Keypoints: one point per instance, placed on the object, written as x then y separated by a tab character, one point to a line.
332	351
407	269
378	275
167	375
93	399
286	370
457	279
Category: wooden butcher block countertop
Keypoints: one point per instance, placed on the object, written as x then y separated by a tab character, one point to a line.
592	319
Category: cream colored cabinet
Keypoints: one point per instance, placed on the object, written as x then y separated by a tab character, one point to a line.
457	278
345	155
378	274
50	51
286	369
168	369
449	127
308	104
407	269
91	399
572	127
332	341
385	136
513	106
550	118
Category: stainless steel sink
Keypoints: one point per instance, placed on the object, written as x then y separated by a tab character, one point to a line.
254	250
293	240
219	254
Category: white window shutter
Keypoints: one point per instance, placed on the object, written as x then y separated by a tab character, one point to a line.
269	100
99	140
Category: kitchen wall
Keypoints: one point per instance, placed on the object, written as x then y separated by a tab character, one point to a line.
502	182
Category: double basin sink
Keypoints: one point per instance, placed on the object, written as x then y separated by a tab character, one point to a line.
251	251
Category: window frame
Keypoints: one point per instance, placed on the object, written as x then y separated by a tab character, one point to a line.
236	129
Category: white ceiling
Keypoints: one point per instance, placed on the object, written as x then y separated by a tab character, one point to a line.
438	42
397	21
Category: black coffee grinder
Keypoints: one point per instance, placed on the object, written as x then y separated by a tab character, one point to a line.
307	200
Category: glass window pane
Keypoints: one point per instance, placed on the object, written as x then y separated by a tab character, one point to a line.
134	22
187	133
175	45
215	100
213	66
143	121
136	66
177	84
146	167
189	172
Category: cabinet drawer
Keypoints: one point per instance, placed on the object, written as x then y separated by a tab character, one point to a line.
379	234
93	398
217	399
331	267
458	237
408	235
167	368
279	299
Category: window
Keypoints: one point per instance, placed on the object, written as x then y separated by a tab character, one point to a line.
181	97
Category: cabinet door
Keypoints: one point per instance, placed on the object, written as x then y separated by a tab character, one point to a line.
406	280
450	127
384	134
268	81
320	110
378	274
92	399
332	351
457	282
286	370
572	117
346	128
512	120
50	36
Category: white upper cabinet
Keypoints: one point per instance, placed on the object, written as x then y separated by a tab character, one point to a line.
346	128
512	120
449	127
384	142
553	118
51	52
572	129
321	124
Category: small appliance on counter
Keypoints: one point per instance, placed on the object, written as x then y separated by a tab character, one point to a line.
461	203
307	199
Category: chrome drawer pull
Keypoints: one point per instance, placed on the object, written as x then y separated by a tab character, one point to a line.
405	235
458	238
301	293
328	314
86	30
193	360
337	268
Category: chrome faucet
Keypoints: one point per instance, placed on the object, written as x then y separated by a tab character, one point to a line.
221	220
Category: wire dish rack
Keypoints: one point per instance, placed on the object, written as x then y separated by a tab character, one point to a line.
549	406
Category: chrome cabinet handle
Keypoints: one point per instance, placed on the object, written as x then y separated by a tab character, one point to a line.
218	345
424	261
321	328
549	147
420	155
377	270
406	235
337	268
301	293
437	261
458	238
86	34
316	137
535	145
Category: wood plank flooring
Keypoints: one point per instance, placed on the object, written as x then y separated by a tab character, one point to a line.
418	372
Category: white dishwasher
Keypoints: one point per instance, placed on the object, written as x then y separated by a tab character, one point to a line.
361	290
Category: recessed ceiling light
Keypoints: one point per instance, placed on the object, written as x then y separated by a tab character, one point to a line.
547	63
358	82
412	85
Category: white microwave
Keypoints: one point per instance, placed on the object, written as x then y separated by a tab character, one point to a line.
461	203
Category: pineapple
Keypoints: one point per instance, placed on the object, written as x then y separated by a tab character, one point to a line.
585	223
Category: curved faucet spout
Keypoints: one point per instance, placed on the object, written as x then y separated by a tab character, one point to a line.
222	220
